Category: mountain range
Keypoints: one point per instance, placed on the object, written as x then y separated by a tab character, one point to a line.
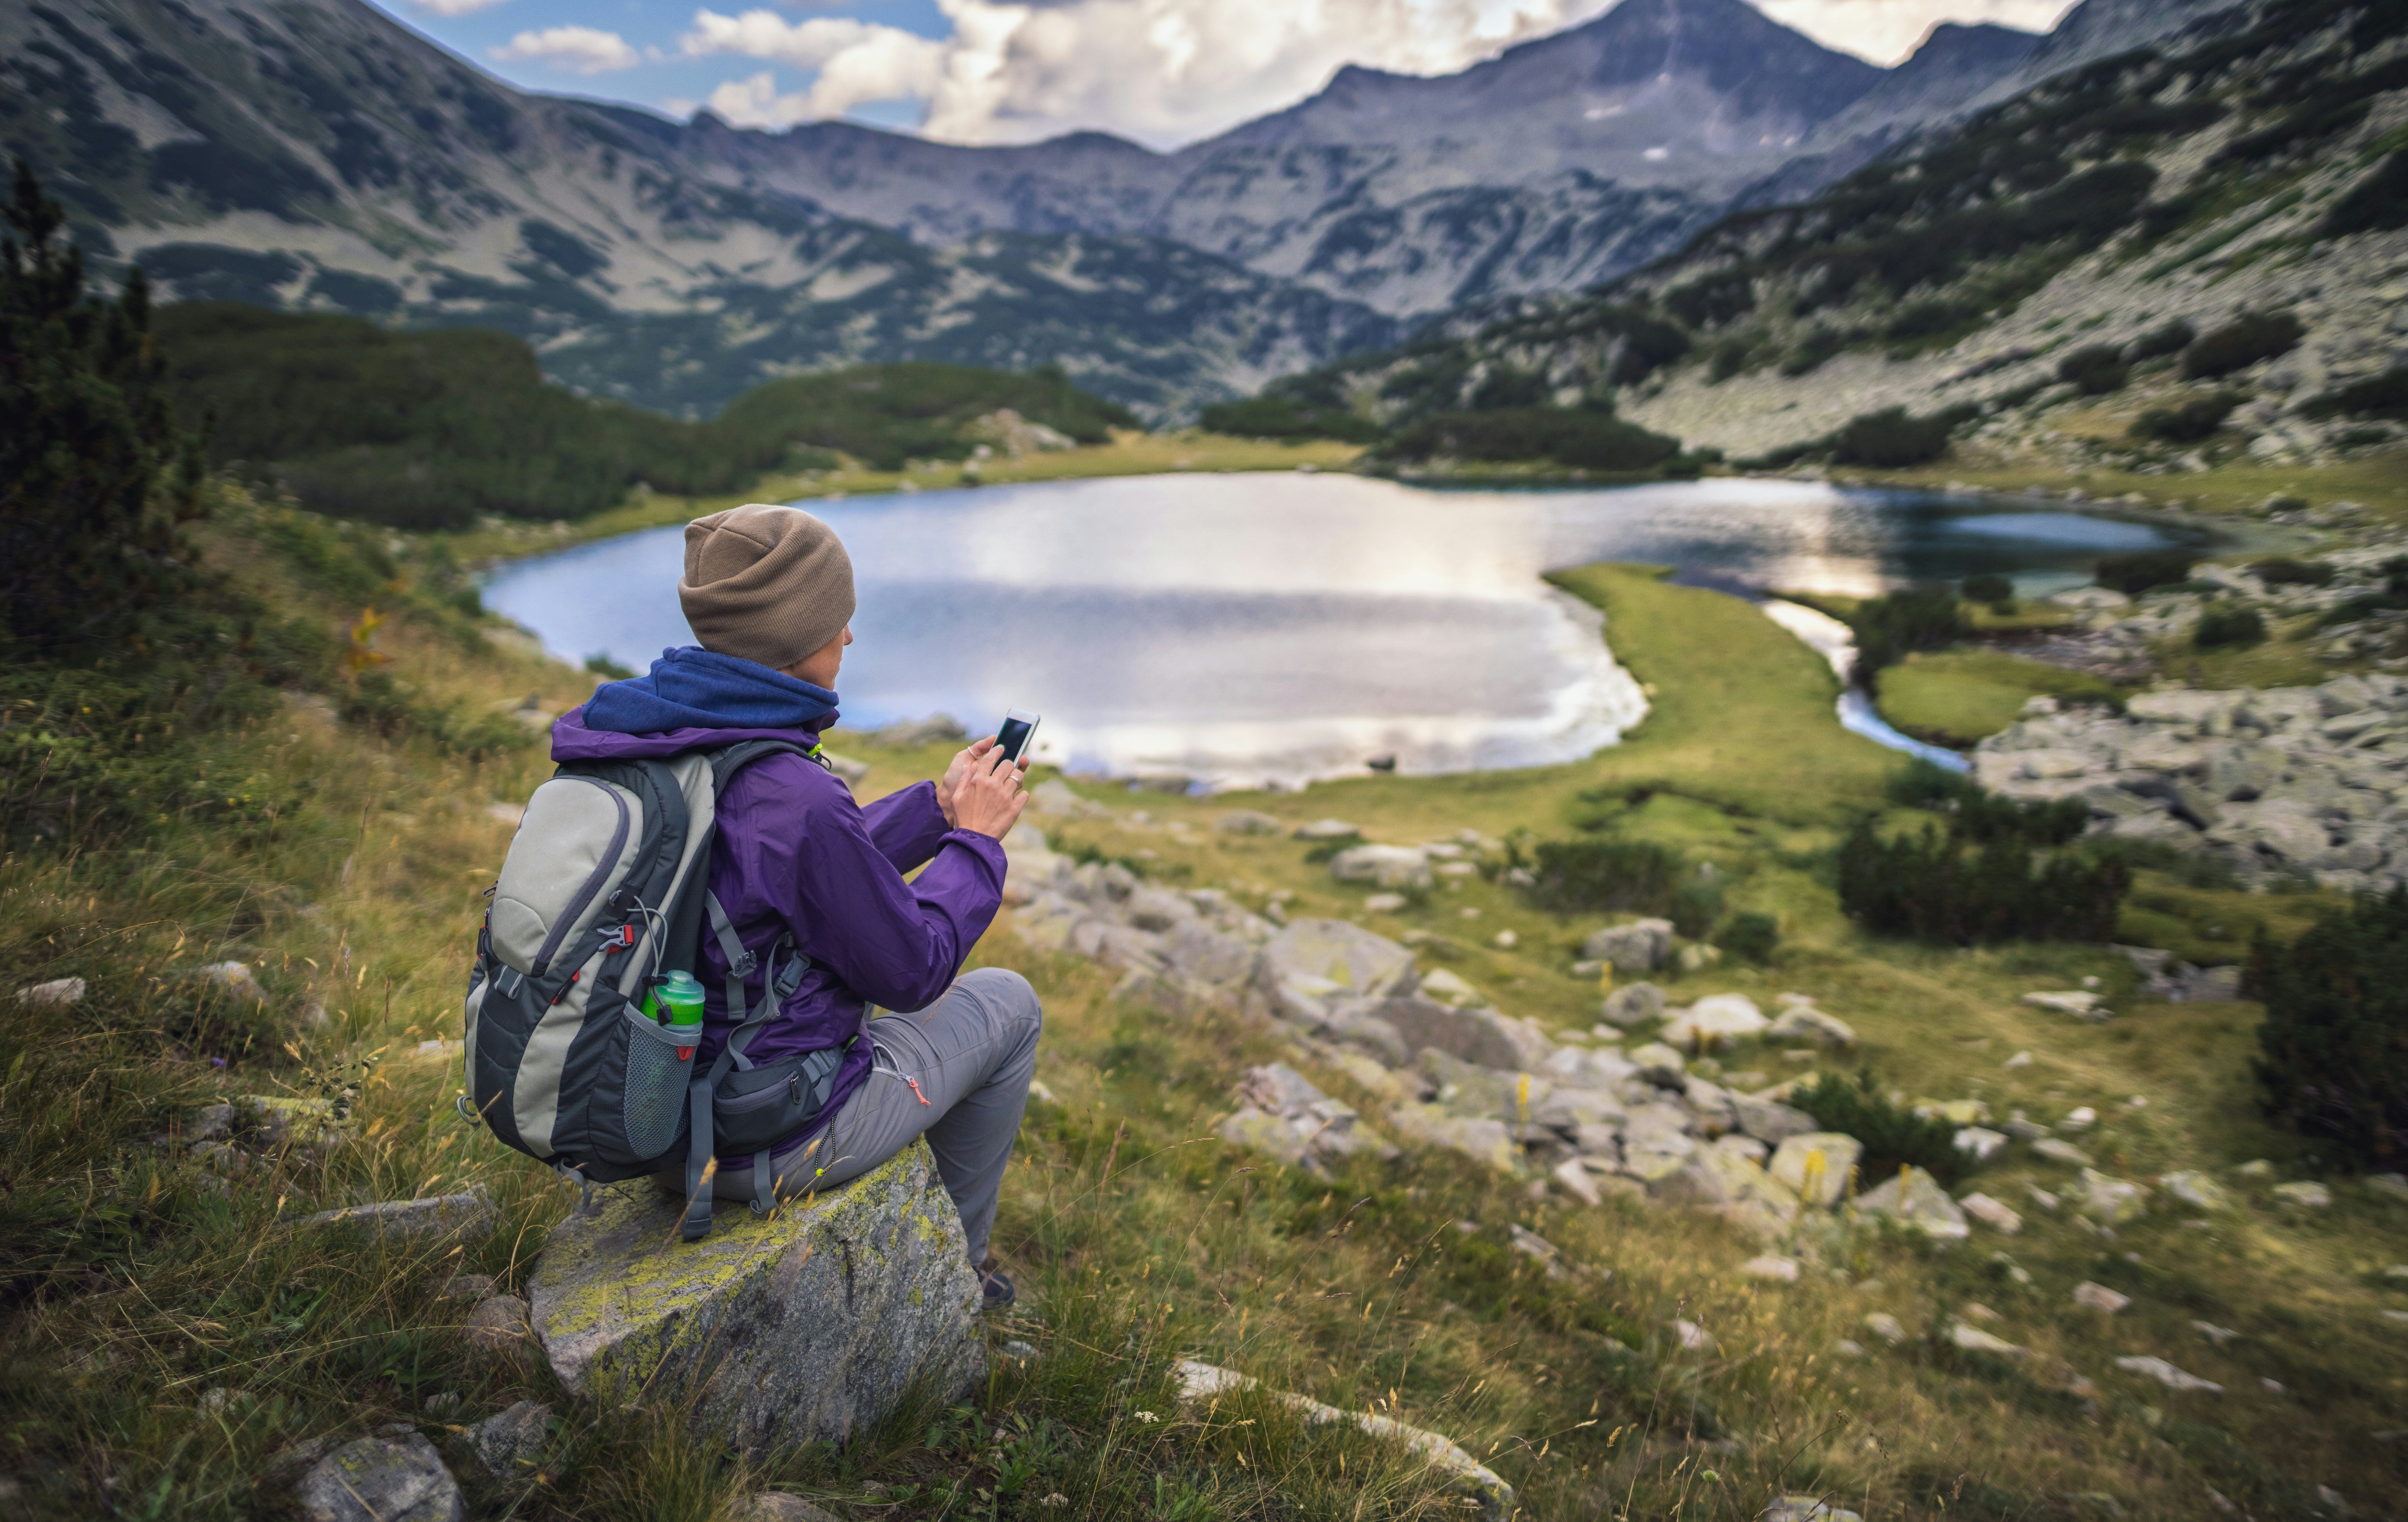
314	154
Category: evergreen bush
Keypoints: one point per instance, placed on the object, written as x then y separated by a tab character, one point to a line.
1280	417
2095	369
1977	813
2136	572
2165	339
2282	571
1575	877
2220	627
2332	1057
1889	629
1582	438
2188	421
1889	439
1993	589
1750	937
2240	343
1894	1137
1693	909
2384	395
1934	889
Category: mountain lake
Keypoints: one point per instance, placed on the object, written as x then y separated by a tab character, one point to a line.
1268	629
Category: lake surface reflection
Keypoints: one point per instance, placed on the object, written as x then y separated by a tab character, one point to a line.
1246	629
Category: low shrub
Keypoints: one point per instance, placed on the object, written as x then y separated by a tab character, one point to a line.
1280	417
2331	1061
1750	937
1820	344
1936	890
1889	629
2136	572
1991	590
2187	422
2282	571
1693	909
2165	339
1573	877
1579	437
2096	369
2378	203
1728	359
2223	627
1890	438
2240	343
1894	1137
1977	813
2384	395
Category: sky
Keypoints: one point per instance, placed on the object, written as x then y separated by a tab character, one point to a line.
1160	72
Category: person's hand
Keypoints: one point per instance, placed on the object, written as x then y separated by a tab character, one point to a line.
954	771
988	799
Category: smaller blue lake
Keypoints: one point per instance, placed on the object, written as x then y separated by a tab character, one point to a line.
1273	628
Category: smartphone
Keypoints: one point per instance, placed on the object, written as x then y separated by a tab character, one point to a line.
1013	737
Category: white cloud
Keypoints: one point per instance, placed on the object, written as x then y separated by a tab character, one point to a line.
578	48
1171	71
1886	31
456	7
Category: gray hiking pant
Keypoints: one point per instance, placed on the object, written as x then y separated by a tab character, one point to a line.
971	1054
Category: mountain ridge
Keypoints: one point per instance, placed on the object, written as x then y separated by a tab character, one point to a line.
318	156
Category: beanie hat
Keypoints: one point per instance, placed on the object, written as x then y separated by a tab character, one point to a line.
764	583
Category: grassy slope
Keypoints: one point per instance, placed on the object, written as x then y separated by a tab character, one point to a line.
1956	697
1137	1237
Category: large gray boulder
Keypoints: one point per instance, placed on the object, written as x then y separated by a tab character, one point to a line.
1640	946
803	1328
1383	866
396	1477
1311	960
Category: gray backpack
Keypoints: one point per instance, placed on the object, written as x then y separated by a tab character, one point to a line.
605	893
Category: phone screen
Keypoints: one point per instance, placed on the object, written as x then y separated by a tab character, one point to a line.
1013	737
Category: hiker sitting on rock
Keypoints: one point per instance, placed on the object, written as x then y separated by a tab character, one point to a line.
768	592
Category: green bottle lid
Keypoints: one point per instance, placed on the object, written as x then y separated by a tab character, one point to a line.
683	997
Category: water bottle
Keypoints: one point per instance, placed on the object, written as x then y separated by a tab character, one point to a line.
681	996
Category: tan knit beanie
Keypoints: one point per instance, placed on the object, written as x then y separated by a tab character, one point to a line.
764	583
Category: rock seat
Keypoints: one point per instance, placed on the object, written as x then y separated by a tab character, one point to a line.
805	1327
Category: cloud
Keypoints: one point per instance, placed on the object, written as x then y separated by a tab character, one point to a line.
578	48
456	7
857	63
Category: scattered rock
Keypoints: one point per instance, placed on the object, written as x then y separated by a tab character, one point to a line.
1720	1018
2041	1196
497	1331
853	772
1693	1337
1642	946
1204	1381
1485	1142
397	1478
56	993
1974	1339
1914	1198
2303	1194
1249	822
2198	1190
937	728
2112	1200
2166	1374
469	1287
1979	1142
1385	903
2081	1003
1633	1005
1803	1022
1991	1213
779	1506
1286	1116
1817	1165
1659	1065
2099	1298
1771	1266
233	978
502	1442
1807	1508
1573	1174
2213	1333
2061	1152
466	1215
1383	866
2078	1120
2021	1060
1886	1327
800	1328
1326	829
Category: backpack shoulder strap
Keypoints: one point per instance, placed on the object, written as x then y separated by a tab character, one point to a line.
781	980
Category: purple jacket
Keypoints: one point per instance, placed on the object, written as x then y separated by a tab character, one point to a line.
796	852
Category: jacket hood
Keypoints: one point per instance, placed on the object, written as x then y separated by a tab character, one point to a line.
692	688
572	741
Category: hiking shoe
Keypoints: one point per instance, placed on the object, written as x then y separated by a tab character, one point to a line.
994	1291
